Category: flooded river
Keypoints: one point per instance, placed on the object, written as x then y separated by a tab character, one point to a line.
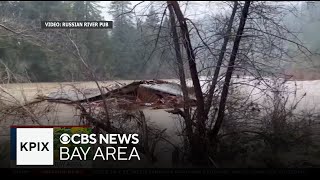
66	114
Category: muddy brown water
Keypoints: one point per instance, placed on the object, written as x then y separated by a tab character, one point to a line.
66	114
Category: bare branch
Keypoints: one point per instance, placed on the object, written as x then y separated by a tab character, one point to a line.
128	12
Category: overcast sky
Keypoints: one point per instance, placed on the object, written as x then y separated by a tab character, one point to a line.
195	9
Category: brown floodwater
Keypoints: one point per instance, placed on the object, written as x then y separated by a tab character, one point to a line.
67	115
63	114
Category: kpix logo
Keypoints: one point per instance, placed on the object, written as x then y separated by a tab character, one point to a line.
34	146
28	146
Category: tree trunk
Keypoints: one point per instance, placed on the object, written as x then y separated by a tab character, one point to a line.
230	69
198	143
175	38
220	59
192	66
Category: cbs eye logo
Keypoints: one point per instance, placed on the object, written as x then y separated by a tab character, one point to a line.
65	138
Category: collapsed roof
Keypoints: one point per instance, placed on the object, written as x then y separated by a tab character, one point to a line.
155	93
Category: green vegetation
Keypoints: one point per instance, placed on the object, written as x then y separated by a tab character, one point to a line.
119	53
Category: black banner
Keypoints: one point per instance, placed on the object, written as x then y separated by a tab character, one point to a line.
159	171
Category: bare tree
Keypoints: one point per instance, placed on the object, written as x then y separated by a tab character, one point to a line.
186	113
220	58
229	72
198	145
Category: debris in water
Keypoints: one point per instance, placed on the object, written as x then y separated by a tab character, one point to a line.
156	94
